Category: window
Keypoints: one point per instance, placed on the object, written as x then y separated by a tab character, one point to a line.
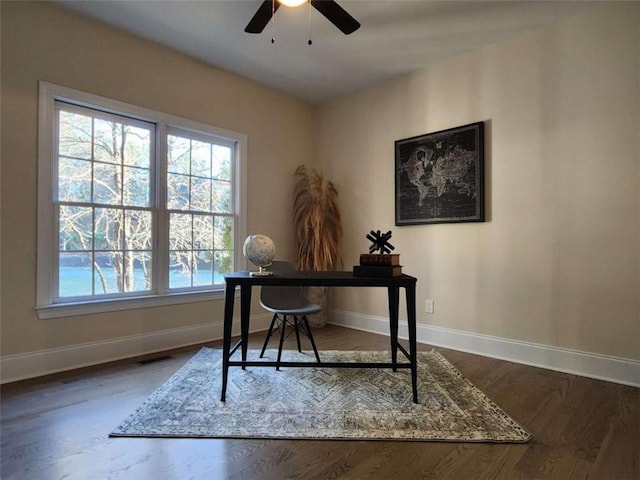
199	188
103	212
135	207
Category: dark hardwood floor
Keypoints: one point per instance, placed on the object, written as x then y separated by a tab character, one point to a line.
57	428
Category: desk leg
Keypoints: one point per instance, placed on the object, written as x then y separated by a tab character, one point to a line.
245	310
411	320
226	342
394	294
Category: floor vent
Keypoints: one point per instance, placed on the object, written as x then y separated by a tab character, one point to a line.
155	359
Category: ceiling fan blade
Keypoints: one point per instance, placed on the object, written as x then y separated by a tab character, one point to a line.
336	15
262	17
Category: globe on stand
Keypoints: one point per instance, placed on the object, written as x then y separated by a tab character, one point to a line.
259	250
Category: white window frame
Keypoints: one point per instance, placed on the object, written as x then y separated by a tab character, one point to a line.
47	238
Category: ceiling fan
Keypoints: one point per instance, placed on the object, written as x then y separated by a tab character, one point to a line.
329	8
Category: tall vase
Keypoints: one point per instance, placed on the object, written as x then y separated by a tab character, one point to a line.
317	295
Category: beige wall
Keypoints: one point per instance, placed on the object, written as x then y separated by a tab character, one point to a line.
557	261
44	42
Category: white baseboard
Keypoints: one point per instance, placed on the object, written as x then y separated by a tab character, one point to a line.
44	362
35	364
602	367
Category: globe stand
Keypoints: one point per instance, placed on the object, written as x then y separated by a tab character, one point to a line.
262	272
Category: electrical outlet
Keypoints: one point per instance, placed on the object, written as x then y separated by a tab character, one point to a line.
428	306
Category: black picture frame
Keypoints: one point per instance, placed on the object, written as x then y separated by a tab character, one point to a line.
440	176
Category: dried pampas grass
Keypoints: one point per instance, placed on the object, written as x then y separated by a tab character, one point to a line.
317	221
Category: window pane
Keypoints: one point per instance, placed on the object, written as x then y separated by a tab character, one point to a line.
223	233
223	264
138	230
200	194
74	274
75	228
136	187
222	197
180	231
136	265
137	147
106	184
107	142
203	268
109	229
177	191
108	273
221	162
178	154
141	272
180	269
74	135
202	232
201	159
74	180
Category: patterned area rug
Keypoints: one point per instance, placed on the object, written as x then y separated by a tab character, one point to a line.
322	403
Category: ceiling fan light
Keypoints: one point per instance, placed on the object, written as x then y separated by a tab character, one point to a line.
292	3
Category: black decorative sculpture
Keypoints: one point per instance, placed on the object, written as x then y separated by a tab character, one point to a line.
380	241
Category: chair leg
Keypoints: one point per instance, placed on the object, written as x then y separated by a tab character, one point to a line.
295	326
266	341
310	335
283	328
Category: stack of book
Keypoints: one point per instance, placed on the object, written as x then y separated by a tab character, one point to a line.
378	265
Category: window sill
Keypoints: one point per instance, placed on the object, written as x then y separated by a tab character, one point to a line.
133	303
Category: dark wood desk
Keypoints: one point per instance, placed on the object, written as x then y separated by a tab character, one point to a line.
319	279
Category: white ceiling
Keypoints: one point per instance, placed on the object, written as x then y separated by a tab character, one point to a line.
396	37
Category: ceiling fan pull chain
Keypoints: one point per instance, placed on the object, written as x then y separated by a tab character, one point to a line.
273	21
309	3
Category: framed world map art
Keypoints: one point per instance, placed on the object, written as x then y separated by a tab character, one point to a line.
440	176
